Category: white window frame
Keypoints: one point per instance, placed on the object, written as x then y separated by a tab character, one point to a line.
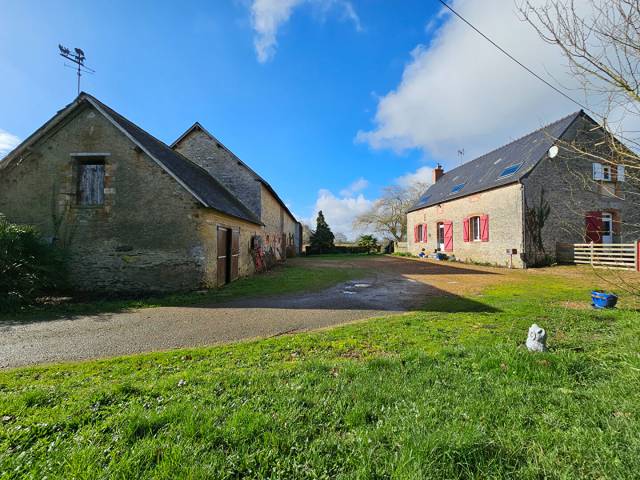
474	229
440	235
607	218
420	232
607	173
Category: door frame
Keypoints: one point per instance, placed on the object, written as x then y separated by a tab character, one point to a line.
440	236
607	217
226	278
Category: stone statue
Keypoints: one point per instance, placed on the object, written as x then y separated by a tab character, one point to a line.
537	339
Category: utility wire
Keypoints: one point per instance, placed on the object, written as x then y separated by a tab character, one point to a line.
516	60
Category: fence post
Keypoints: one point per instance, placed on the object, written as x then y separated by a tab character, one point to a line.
591	254
638	255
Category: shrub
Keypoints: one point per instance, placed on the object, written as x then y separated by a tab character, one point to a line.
370	242
29	266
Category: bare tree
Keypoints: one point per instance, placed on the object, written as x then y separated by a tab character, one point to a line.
600	39
340	238
306	234
388	215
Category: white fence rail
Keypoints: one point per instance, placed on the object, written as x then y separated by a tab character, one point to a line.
622	256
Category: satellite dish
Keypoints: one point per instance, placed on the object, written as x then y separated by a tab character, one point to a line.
553	151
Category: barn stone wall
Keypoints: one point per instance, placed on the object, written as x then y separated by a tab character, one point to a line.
280	230
503	205
281	233
199	147
208	223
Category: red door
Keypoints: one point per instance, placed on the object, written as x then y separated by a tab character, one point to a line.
448	236
593	222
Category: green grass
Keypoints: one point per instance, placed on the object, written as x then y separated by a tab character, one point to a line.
283	279
444	394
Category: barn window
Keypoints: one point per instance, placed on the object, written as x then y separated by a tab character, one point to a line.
91	182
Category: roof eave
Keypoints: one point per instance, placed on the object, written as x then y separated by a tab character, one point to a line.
458	197
41	132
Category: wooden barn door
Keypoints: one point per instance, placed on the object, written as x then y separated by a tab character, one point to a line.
235	254
224	256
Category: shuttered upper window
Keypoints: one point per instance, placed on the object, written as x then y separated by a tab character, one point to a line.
90	190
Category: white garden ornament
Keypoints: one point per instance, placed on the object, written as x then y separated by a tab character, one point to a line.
537	339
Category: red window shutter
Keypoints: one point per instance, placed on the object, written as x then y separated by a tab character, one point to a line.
465	230
415	233
448	236
484	228
424	233
593	222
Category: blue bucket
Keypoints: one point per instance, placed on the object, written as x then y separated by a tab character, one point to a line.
603	300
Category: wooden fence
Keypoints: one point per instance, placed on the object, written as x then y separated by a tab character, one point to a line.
622	256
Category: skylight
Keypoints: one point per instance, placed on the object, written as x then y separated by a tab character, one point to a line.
510	170
457	188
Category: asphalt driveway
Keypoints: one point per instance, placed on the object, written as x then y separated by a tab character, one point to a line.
398	285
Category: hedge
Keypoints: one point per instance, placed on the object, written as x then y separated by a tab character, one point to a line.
29	266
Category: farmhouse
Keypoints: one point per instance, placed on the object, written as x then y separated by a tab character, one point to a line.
132	213
516	203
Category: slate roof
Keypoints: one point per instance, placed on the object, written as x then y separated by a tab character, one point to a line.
484	173
203	186
198	126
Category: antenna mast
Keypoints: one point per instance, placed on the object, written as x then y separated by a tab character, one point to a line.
460	155
78	58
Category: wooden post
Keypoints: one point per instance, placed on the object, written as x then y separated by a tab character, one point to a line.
638	255
591	254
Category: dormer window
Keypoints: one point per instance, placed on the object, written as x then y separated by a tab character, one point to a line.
457	188
510	170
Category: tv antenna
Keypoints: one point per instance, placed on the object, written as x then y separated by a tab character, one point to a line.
460	155
77	57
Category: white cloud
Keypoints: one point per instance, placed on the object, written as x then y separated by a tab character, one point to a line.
340	212
267	16
7	142
421	175
357	186
458	91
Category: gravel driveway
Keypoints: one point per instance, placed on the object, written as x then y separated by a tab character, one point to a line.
396	286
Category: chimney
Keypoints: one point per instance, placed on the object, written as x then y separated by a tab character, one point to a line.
437	173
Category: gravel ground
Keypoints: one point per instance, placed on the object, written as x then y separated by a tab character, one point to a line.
396	286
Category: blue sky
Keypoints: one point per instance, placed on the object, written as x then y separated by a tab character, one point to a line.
329	100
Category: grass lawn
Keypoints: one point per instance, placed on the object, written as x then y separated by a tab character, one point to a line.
281	280
432	394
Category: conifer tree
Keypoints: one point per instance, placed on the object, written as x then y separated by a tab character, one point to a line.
322	238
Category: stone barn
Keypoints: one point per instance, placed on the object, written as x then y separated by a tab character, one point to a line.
282	232
489	210
132	213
